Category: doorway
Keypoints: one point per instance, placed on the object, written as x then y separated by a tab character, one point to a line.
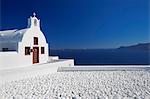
35	55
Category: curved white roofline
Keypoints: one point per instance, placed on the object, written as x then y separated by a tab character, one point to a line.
12	35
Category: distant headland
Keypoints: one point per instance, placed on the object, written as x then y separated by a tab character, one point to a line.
139	46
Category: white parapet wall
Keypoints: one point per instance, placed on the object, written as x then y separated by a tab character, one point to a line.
10	60
51	58
104	68
7	75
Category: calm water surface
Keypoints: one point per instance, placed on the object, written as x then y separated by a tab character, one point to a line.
105	57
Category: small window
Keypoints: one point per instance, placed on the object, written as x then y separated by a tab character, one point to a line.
42	50
27	50
5	49
35	40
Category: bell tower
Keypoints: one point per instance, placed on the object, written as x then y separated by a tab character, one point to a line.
33	21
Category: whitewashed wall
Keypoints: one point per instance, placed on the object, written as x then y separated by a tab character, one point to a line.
16	59
10	60
28	41
33	71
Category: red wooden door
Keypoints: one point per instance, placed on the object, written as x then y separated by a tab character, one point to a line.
35	55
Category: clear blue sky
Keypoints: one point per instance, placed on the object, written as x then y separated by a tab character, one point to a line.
82	23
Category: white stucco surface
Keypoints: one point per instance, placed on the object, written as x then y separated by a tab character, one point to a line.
7	75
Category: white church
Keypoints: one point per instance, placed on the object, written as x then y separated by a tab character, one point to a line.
23	47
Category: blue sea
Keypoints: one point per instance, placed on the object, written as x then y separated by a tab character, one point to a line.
105	56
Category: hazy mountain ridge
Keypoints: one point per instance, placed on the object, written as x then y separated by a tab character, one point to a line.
140	46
